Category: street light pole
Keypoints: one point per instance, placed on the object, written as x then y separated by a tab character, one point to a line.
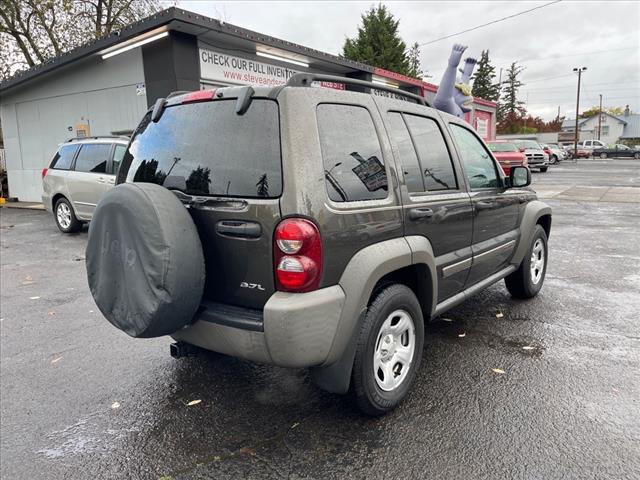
575	137
600	118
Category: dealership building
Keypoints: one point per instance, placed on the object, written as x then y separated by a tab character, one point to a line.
105	86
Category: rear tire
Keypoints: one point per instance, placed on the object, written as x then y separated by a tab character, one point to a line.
636	156
527	280
603	155
65	217
389	350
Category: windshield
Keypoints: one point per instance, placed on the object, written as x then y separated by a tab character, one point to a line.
527	144
502	147
207	149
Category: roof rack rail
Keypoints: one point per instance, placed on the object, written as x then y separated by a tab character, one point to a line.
306	79
95	137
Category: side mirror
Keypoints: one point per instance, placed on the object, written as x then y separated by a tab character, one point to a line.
519	177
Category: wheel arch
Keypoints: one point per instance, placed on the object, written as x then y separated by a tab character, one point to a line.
57	197
406	260
535	213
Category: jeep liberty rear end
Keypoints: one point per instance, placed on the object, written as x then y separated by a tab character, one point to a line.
309	228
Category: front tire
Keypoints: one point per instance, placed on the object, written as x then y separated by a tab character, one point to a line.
66	219
527	280
389	350
554	160
603	155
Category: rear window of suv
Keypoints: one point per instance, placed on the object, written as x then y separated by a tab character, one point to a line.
207	149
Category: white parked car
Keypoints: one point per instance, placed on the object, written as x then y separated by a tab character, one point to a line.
591	145
556	153
81	171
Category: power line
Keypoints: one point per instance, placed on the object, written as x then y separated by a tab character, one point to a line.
490	23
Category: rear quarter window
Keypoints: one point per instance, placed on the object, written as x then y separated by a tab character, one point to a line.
207	149
64	157
93	158
354	169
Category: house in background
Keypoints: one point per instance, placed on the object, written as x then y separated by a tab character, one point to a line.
631	133
611	128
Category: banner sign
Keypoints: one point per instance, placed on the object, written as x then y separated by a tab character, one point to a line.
224	68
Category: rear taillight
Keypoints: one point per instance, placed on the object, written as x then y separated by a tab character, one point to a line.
199	96
44	172
297	255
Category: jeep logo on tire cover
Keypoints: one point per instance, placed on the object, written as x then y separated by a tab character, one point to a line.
120	250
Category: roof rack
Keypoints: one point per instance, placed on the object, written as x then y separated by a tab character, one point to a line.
306	79
95	137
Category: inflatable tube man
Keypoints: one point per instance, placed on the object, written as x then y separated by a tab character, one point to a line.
455	98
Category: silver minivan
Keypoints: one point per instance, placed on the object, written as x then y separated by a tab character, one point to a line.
81	171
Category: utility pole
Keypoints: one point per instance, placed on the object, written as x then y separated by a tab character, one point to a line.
600	118
558	116
575	138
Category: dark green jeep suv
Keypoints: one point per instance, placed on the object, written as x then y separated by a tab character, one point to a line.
309	227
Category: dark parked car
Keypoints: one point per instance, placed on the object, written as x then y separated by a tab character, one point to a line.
237	226
617	151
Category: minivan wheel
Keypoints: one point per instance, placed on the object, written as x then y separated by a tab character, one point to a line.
66	219
389	350
527	280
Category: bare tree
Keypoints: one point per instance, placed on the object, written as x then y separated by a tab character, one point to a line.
31	31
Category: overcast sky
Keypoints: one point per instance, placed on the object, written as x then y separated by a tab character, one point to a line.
600	35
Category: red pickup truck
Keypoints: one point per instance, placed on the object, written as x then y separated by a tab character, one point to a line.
507	154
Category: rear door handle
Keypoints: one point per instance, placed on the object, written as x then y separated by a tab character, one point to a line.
484	205
238	228
101	180
418	213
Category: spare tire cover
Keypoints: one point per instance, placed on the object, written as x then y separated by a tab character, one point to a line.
144	260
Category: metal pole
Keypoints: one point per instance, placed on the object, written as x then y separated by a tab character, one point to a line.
575	137
600	118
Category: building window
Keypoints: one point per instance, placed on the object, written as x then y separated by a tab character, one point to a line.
605	130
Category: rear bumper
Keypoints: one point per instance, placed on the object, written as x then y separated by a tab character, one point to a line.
46	201
298	329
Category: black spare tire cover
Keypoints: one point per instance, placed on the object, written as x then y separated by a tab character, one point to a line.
144	260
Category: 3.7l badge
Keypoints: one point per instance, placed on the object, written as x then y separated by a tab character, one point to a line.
251	286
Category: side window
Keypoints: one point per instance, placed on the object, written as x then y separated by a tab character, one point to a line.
64	157
118	155
353	164
478	164
93	158
437	169
408	158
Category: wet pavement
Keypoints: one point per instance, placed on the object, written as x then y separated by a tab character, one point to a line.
567	405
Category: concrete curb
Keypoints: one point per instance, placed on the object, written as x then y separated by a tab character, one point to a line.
23	205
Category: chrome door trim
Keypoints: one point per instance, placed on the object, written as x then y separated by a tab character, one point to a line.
456	267
494	251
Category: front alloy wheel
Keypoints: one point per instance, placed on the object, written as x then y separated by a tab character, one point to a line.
527	280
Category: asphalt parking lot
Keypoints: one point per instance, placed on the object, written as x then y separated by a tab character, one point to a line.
80	399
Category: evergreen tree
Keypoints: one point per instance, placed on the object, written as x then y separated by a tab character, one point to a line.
378	42
509	103
414	61
483	79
